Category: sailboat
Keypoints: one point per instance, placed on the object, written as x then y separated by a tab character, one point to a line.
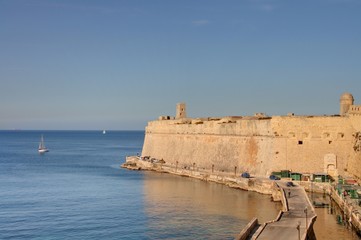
42	148
104	132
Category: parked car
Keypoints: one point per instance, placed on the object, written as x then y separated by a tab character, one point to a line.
245	175
274	177
290	184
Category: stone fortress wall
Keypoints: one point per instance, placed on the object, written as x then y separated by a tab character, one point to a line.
260	144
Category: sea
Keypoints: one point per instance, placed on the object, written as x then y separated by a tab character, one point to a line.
78	190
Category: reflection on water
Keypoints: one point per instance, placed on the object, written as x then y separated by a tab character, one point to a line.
184	208
326	226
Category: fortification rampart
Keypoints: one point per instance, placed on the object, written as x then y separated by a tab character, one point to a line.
355	110
259	144
223	126
220	144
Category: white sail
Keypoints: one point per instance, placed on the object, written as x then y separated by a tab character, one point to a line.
42	147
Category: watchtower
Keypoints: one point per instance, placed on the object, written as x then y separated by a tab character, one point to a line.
346	101
181	111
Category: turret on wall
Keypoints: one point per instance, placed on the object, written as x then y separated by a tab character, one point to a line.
346	101
181	111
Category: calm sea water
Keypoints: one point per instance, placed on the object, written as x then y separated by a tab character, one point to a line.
78	191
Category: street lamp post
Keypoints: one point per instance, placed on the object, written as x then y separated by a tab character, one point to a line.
306	217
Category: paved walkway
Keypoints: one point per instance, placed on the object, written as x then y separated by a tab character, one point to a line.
295	221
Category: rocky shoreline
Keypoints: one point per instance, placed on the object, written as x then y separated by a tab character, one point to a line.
260	185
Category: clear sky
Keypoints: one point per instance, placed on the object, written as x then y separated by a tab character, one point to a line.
116	64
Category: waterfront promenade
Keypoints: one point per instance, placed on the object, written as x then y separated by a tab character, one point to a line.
295	222
289	224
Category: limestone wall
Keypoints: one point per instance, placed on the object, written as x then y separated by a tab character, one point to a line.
257	145
355	118
354	165
303	143
242	146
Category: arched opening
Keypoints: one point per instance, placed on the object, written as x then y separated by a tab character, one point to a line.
331	168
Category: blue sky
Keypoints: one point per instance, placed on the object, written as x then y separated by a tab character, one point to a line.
118	64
